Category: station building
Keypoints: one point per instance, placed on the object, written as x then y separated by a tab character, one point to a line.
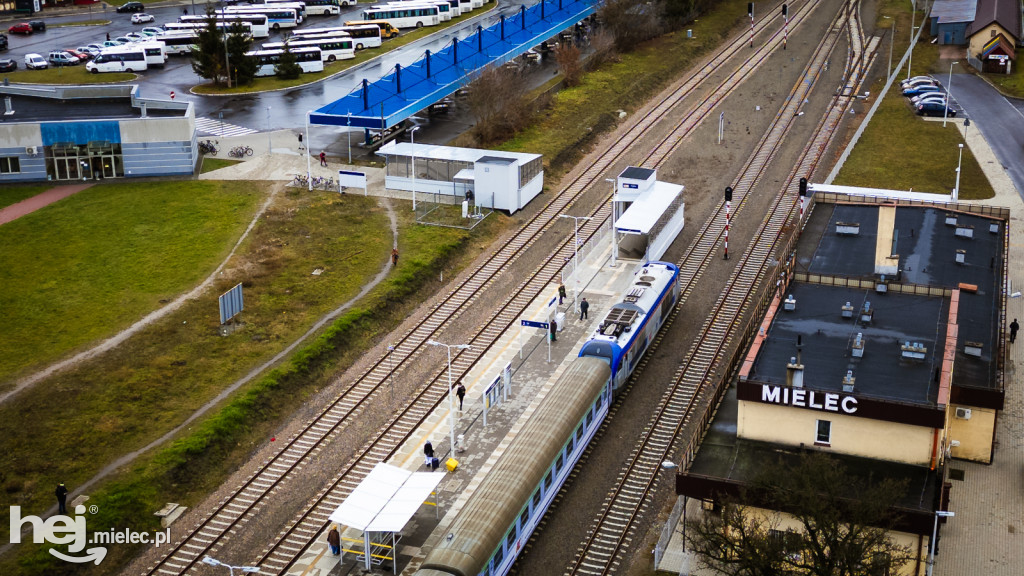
499	180
65	133
883	348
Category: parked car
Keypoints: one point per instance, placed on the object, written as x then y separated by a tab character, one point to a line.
935	109
111	43
928	96
35	62
123	40
8	64
80	54
92	50
153	30
914	91
130	7
21	28
135	36
3	42
915	79
62	58
142	18
37	25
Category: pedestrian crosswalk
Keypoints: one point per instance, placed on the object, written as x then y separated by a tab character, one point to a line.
212	127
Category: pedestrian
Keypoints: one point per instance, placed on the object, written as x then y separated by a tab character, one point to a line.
461	393
1013	330
554	329
334	540
428	452
323	159
561	293
469	196
108	36
584	306
62	499
394	256
300	141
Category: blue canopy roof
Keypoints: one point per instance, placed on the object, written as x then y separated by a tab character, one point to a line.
403	92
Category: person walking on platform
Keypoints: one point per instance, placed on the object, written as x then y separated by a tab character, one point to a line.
394	256
584	306
334	540
1013	330
561	293
469	196
554	330
428	452
323	159
461	393
62	499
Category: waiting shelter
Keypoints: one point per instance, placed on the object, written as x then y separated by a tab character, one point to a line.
648	214
380	506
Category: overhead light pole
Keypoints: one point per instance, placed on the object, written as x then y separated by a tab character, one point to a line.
576	258
615	239
935	530
913	13
412	139
956	189
245	569
892	40
949	94
309	168
451	399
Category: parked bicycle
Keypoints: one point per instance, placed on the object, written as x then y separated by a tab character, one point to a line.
323	183
300	180
240	151
209	147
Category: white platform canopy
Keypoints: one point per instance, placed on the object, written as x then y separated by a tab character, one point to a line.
385	501
645	211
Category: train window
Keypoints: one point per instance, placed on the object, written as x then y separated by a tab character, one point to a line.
600	400
547	481
523	518
498	556
569	446
590	419
559	462
536	499
510	539
579	433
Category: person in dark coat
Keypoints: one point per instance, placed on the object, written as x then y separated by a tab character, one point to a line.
334	540
561	293
554	330
461	393
62	499
1013	330
323	159
394	256
584	306
469	196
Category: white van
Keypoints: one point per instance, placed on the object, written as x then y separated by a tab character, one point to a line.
120	59
156	52
35	62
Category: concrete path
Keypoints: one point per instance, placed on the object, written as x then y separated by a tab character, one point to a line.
29	205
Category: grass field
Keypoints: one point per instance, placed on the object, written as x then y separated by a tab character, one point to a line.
14	193
104	257
80	23
67	75
211	164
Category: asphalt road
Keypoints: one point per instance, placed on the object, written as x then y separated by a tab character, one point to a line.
1001	121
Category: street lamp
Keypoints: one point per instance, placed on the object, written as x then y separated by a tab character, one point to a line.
956	189
949	97
412	139
913	13
227	56
935	529
451	399
309	169
892	40
576	258
615	240
245	569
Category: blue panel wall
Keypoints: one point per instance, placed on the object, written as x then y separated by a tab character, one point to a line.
80	132
158	158
32	167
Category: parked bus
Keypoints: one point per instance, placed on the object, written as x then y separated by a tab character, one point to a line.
411	17
331	48
298	5
365	36
443	7
309	59
155	50
387	31
278	17
119	59
180	42
313	7
233	27
258	24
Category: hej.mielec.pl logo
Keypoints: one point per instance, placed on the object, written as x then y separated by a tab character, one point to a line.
59	530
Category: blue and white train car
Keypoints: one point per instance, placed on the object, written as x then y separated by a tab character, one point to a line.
630	325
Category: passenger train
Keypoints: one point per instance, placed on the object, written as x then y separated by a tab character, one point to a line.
489	531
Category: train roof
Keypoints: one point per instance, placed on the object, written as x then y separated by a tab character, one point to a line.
644	292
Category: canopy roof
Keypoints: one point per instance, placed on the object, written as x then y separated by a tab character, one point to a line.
386	499
649	206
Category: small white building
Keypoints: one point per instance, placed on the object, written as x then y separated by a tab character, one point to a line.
499	180
648	214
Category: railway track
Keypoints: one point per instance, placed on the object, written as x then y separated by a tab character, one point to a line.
614	528
211	533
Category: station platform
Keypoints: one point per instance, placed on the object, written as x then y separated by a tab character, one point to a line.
533	376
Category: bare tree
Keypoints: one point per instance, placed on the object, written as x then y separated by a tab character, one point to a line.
497	100
567	55
631	22
602	46
843	524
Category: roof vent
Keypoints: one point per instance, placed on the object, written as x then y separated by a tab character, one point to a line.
790	303
858	346
973	348
881	286
794	373
848	228
634	294
8	107
913	351
866	313
848	310
848	381
950	219
961	256
965	231
993	228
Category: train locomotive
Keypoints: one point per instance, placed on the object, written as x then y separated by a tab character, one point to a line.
490	530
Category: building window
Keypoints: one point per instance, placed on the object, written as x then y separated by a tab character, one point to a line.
992	33
10	165
824	435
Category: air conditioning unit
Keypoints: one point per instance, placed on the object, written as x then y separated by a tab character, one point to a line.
963	413
31	150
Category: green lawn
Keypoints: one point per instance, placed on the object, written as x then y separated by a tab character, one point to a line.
104	257
80	23
67	75
211	164
14	193
1011	84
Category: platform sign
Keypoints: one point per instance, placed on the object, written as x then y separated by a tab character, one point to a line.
230	303
535	324
350	179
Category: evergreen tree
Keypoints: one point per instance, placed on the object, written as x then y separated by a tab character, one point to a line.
243	68
208	55
288	67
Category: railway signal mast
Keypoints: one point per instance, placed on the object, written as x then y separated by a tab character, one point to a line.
728	206
803	196
785	26
750	12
